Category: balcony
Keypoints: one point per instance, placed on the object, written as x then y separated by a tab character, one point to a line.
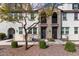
43	24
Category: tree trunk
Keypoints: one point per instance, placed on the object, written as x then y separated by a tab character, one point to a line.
26	35
26	43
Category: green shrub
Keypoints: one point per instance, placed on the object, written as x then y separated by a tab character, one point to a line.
42	44
14	44
69	46
2	36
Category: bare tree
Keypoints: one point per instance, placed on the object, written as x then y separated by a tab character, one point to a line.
6	15
6	11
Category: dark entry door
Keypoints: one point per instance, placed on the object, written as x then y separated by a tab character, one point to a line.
43	32
54	32
11	32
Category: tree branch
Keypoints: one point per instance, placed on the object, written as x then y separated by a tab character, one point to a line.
32	25
20	22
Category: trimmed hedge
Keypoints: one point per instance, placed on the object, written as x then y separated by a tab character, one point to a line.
69	46
14	44
2	36
42	44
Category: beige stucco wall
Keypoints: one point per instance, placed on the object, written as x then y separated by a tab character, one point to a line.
49	28
50	25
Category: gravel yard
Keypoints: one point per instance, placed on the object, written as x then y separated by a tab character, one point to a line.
52	50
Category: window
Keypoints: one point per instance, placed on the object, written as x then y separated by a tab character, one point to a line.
62	30
18	5
32	16
75	30
20	30
75	16
30	31
15	15
75	6
65	30
34	30
11	15
43	20
64	16
20	15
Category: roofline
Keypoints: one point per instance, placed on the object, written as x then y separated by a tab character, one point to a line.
71	11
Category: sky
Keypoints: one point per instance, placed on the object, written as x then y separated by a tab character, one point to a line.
38	5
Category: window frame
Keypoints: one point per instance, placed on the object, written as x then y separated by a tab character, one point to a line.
65	30
20	30
75	30
30	31
75	8
34	30
76	16
64	16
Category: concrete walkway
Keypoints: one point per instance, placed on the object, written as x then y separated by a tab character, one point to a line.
8	42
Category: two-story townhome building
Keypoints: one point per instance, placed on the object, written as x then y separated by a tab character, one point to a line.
14	29
70	21
63	23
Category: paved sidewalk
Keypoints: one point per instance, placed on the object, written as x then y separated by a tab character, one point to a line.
8	42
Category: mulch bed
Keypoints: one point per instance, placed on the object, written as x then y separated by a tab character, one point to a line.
52	50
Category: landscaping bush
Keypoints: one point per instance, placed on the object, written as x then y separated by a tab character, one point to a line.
14	44
69	46
42	44
2	36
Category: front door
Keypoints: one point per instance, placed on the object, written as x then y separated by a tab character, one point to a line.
43	32
54	32
11	32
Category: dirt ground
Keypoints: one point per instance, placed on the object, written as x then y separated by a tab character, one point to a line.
52	50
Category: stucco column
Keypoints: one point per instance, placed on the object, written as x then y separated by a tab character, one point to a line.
59	25
49	28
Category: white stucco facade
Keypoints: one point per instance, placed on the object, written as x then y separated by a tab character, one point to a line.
5	25
69	22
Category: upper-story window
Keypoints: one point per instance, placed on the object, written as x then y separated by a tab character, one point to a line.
75	16
64	16
11	15
43	20
75	6
32	16
20	15
43	17
18	5
15	15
